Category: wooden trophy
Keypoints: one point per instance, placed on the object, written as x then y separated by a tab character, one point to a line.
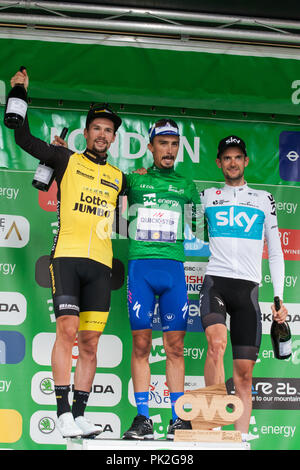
209	410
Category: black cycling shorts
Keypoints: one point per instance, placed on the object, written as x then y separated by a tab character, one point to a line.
238	298
81	287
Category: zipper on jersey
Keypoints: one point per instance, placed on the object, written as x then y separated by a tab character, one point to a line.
91	229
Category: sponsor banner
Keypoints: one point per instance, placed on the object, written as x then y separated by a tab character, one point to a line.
106	389
194	276
271	393
193	246
12	347
48	199
158	353
289	155
293	317
11	426
290	242
273	430
44	431
26	309
159	395
14	231
13	308
198	143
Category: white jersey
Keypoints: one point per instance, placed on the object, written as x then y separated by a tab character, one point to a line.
240	219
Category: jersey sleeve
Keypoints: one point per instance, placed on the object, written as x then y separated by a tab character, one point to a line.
202	223
128	181
120	223
276	259
124	184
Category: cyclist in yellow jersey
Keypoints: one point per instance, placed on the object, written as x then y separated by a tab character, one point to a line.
81	257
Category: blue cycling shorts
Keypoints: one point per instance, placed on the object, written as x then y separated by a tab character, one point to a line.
149	279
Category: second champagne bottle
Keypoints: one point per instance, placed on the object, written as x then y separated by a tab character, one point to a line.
44	174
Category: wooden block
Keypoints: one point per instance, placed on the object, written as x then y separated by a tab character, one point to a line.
199	423
219	389
209	407
207	436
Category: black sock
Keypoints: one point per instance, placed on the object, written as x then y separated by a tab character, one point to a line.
80	400
62	399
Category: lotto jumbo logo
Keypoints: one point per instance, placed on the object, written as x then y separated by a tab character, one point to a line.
289	155
14	231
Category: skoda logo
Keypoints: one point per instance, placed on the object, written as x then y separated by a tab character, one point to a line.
46	425
47	386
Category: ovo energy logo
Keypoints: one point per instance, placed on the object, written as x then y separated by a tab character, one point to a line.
208	411
14	231
158	352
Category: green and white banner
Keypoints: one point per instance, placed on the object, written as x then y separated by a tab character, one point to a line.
212	91
28	224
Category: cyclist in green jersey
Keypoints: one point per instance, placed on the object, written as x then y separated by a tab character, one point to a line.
157	206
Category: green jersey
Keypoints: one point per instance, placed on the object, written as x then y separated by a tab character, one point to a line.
160	202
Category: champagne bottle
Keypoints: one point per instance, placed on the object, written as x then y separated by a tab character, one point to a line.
281	336
16	106
44	174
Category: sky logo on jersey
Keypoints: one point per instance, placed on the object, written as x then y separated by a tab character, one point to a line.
289	155
235	222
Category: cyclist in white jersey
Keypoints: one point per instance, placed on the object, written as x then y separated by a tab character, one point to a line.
239	220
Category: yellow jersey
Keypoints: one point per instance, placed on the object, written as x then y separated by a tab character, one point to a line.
88	190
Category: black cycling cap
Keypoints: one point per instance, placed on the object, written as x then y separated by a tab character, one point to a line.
231	141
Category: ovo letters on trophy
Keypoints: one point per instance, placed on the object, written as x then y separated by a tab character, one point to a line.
209	408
